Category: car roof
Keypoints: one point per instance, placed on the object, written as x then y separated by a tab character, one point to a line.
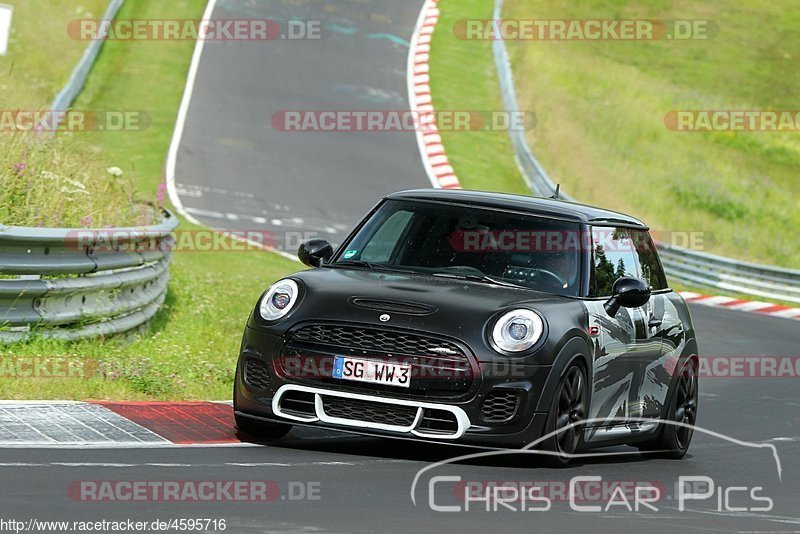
536	205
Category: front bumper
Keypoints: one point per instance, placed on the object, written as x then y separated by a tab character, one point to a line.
385	411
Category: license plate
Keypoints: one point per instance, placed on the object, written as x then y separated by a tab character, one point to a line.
372	371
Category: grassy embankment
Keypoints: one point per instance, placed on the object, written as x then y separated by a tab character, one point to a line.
601	106
191	351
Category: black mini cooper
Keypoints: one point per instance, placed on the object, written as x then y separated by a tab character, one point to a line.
476	318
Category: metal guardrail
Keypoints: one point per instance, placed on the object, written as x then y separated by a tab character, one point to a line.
76	283
80	73
702	269
66	286
687	266
532	171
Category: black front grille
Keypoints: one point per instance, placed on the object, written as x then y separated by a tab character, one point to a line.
500	406
438	422
372	412
300	403
379	341
256	373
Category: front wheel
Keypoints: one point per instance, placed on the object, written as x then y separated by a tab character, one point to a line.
674	439
567	410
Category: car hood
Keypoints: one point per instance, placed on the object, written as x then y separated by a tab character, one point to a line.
338	286
450	307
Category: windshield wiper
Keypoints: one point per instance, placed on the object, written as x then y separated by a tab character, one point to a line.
367	265
354	263
485	278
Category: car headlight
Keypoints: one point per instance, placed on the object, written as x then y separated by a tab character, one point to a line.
279	299
517	330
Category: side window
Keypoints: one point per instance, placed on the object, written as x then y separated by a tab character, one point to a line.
649	264
613	256
382	243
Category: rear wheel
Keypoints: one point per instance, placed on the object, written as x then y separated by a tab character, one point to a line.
566	411
249	429
674	439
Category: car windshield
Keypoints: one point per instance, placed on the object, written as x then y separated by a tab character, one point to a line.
472	243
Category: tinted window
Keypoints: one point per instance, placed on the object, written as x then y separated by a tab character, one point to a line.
383	241
439	239
614	256
649	265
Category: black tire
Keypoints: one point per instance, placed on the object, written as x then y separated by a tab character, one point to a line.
567	407
249	429
673	440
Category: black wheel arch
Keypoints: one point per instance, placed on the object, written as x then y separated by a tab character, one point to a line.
576	349
689	353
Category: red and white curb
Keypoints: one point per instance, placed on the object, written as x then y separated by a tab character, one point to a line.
68	424
730	303
434	158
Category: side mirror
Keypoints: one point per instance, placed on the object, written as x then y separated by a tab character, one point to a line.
315	252
628	292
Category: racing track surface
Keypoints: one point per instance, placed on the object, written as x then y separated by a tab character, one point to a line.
365	483
234	171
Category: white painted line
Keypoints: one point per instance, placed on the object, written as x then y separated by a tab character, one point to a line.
92	445
715	301
205	213
177	136
184	465
33	403
180	123
6	13
750	305
787	314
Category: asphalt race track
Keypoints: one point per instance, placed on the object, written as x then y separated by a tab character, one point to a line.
234	172
364	484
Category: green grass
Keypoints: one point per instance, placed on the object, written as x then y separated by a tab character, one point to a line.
41	55
601	109
463	77
69	180
191	350
61	174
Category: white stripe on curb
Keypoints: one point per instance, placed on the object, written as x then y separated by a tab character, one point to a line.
753	306
434	159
